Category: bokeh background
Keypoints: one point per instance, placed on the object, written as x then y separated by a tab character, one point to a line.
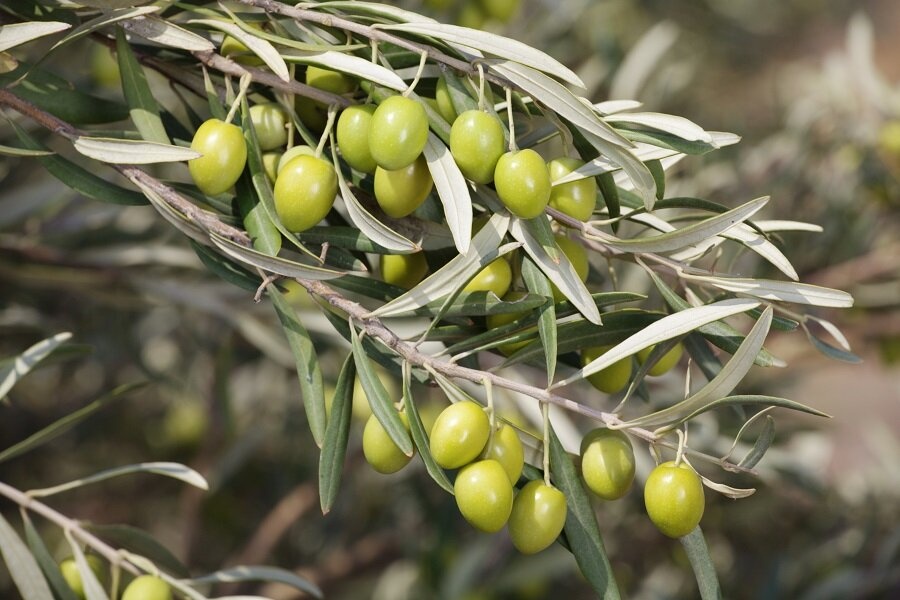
812	86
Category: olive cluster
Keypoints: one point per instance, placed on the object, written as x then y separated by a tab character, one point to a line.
143	587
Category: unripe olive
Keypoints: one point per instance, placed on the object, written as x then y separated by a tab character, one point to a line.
501	319
607	463
477	143
495	277
523	183
506	448
666	361
674	498
270	123
445	105
330	81
404	270
537	518
380	450
72	575
270	164
304	192
398	132
459	435
401	191
147	587
224	154
484	495
239	52
292	153
613	378
353	137
576	198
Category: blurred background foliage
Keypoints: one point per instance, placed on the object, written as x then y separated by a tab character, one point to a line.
813	86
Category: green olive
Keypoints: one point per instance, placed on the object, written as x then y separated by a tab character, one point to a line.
674	498
506	448
444	103
477	143
459	434
471	15
353	137
147	587
292	153
72	575
613	378
239	52
313	114
329	81
576	198
495	277
502	10
523	183
398	132
537	518
224	156
404	270
270	164
380	450
501	319
484	495
401	191
270	123
665	363
104	67
577	255
304	192
607	463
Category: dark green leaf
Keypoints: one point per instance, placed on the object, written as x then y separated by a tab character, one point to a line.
59	427
704	570
331	459
143	107
538	283
664	140
702	356
308	371
140	542
382	404
61	589
246	573
756	400
228	270
23	568
833	351
262	231
659	177
766	436
582	531
420	439
610	193
350	238
79	179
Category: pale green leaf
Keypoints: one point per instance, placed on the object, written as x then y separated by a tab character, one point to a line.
23	568
93	589
106	18
166	469
131	152
258	46
561	273
15	34
168	34
494	44
142	106
701	562
666	328
781	291
452	190
271	264
352	65
20	365
678	126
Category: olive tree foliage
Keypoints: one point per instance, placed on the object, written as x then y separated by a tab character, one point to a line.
693	251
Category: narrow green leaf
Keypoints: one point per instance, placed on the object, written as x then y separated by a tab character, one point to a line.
765	439
272	264
782	291
337	236
480	304
308	371
153	28
166	469
142	543
452	190
226	269
249	573
23	568
93	589
216	108
755	400
20	365
79	179
142	105
59	427
263	232
420	439
337	432
659	178
538	284
382	404
610	192
14	34
13	151
582	531
61	589
704	569
832	351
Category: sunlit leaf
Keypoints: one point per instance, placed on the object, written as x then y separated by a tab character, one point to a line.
20	365
452	190
258	46
15	34
132	152
155	29
272	264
